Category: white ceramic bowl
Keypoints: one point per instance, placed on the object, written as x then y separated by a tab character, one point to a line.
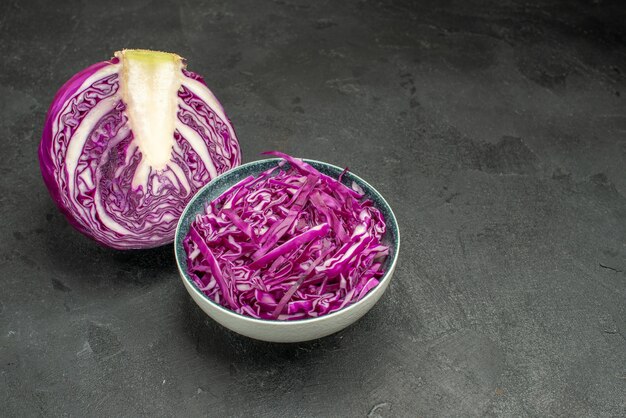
275	330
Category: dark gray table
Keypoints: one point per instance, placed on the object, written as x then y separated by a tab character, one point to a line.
497	132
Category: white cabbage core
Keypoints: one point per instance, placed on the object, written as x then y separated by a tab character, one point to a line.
149	84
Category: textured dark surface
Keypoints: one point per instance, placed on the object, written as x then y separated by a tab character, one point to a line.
496	130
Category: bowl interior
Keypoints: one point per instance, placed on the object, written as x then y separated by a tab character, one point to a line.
222	183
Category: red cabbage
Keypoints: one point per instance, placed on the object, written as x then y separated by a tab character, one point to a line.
128	142
291	243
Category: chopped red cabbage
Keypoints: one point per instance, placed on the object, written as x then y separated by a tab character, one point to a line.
291	243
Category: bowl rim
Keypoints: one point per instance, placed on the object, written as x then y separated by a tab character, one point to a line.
284	323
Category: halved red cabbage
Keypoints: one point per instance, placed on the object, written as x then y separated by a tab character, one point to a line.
128	142
291	243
